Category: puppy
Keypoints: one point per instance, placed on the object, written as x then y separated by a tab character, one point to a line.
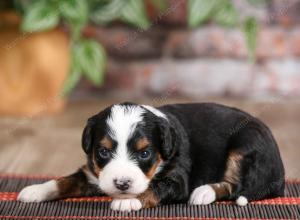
143	156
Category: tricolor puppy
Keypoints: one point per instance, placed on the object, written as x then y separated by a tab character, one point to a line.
143	156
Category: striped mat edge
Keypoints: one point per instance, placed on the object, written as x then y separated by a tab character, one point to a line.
287	207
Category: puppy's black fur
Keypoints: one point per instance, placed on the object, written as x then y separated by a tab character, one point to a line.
211	132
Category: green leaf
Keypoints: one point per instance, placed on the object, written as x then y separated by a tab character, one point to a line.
250	30
200	11
74	10
130	11
134	13
73	79
105	13
91	58
226	15
76	14
41	16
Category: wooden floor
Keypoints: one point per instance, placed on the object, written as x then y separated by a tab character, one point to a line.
51	145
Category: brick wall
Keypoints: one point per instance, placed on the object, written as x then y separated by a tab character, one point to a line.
171	59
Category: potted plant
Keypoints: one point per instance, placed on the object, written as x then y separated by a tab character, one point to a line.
40	63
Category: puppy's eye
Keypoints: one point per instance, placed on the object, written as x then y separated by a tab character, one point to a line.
145	154
104	153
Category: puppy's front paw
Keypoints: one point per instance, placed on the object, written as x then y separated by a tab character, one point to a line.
203	195
126	205
39	192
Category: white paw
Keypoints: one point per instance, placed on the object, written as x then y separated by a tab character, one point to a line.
39	192
126	205
203	195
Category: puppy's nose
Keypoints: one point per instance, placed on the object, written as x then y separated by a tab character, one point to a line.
123	183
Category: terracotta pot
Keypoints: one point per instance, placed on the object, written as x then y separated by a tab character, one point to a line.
33	68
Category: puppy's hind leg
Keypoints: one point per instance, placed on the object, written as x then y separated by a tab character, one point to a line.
209	193
262	171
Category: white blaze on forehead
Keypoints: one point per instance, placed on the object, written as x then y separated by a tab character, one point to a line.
155	111
122	122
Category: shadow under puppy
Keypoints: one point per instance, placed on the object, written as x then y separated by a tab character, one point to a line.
143	156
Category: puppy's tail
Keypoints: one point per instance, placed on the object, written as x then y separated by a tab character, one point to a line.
241	201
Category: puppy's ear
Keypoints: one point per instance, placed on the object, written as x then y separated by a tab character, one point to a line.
87	136
169	139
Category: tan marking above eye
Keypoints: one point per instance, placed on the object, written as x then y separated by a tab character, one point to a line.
106	142
142	143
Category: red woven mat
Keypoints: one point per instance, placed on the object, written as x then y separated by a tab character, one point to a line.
287	207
